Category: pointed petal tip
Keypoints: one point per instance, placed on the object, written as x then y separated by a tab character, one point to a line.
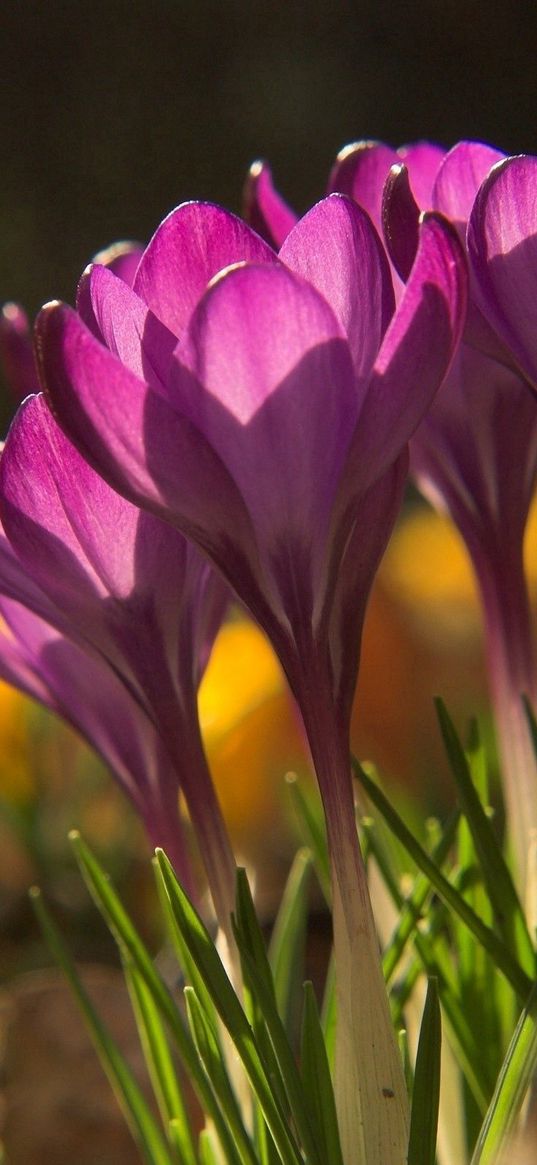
356	147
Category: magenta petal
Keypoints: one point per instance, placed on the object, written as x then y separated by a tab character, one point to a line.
502	243
371	524
278	401
360	171
401	220
422	160
189	248
126	326
417	350
336	248
463	170
145	448
264	208
122	259
16	352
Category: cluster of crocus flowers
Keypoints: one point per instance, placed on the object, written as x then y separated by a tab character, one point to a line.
475	454
245	398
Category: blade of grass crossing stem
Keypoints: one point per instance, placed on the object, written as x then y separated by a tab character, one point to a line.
229	1009
412	906
329	1011
502	893
286	948
257	974
128	940
137	1114
160	1065
426	1091
307	807
181	950
516	1074
317	1080
210	1054
496	948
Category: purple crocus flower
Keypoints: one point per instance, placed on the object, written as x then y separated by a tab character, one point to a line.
81	688
263	408
476	451
16	352
128	594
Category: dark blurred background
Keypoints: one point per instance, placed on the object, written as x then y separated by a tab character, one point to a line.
113	112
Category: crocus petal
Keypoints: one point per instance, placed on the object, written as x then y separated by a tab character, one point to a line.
189	248
459	177
129	586
360	171
422	160
279	414
118	317
122	259
16	353
374	518
401	220
264	208
145	448
410	368
84	691
336	248
502	244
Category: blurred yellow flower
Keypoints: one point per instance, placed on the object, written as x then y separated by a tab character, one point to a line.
250	730
17	783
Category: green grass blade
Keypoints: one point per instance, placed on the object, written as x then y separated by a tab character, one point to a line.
134	1107
426	1091
258	976
487	937
502	894
130	943
412	906
317	1080
308	810
517	1071
160	1065
230	1011
209	1051
286	948
329	1011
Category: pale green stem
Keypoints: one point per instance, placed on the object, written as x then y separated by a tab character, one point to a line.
371	1096
511	669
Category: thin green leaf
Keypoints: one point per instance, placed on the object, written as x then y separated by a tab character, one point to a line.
211	1057
317	1080
286	948
257	974
329	1011
517	1071
426	1091
137	1114
412	906
492	943
130	943
503	896
160	1065
307	807
229	1009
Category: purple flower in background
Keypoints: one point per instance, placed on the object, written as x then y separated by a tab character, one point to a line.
475	453
16	352
123	590
264	410
81	688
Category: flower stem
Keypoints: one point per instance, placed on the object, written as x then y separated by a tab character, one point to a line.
370	1088
511	670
